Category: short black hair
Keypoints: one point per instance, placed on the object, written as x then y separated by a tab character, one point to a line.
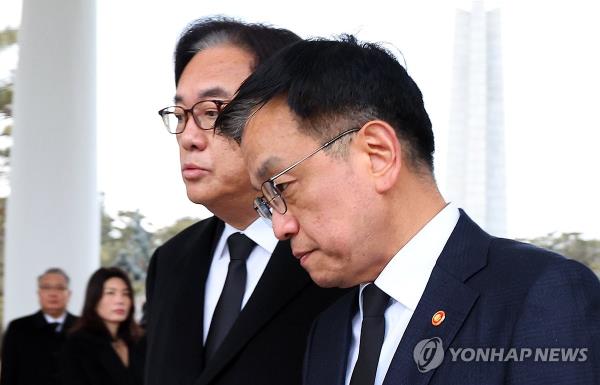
260	40
326	82
54	270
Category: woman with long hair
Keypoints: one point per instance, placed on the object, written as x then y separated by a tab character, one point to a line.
104	347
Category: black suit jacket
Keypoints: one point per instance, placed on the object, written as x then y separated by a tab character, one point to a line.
266	343
497	294
90	359
29	351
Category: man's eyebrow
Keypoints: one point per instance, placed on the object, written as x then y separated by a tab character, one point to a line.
264	171
213	92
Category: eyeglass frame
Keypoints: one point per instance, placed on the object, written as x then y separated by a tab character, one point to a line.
47	288
218	103
262	206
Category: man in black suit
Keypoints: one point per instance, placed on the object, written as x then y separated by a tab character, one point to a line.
226	302
336	137
31	344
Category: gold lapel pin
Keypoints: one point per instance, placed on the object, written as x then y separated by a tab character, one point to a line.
438	318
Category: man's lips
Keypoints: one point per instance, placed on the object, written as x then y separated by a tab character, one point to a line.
192	171
302	256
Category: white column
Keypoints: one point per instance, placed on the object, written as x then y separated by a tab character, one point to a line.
53	214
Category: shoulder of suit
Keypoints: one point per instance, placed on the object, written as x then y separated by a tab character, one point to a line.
71	319
531	266
86	338
26	321
520	253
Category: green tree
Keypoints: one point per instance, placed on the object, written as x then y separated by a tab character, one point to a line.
6	96
572	245
164	234
127	243
8	37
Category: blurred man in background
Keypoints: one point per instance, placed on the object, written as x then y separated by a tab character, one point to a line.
31	344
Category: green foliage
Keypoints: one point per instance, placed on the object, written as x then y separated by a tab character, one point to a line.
6	97
126	243
166	233
586	251
8	37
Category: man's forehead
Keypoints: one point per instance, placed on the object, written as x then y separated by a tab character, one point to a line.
53	278
261	158
215	72
262	138
273	121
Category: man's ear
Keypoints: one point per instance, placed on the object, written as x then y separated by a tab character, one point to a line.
380	143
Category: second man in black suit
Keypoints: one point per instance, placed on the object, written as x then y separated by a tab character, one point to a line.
31	344
226	302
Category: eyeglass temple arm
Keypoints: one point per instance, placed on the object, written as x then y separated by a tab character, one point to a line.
328	143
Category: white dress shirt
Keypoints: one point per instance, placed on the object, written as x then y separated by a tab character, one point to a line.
404	279
60	320
262	234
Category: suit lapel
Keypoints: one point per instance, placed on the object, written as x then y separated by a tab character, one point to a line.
335	334
188	314
113	364
282	279
445	293
39	320
465	254
69	321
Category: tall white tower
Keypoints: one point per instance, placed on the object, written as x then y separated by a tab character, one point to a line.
476	160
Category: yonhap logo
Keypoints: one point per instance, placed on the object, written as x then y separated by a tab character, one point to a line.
429	354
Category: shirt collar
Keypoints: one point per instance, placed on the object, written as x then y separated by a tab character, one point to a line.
51	319
404	278
259	231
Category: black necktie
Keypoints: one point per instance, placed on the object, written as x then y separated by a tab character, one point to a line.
54	326
230	302
372	332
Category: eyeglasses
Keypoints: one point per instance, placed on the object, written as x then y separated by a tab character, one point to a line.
272	198
204	113
59	288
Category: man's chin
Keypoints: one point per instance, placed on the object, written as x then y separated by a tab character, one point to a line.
198	197
321	280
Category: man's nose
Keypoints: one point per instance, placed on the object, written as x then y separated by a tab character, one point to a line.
193	137
285	226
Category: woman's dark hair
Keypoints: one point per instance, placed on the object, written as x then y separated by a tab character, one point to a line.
91	322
